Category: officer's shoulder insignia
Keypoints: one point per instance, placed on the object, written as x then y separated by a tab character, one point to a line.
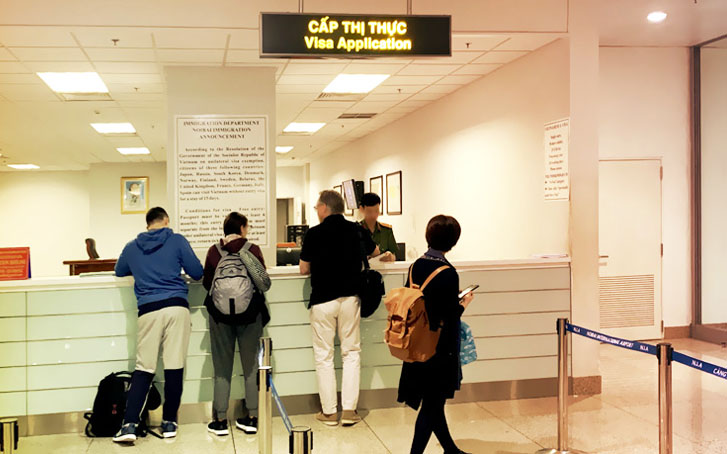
385	225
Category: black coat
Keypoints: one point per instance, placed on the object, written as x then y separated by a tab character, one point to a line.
440	376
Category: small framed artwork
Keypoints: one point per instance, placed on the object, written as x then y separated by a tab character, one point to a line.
393	193
134	195
376	185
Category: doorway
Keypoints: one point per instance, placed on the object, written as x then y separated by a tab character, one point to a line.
630	244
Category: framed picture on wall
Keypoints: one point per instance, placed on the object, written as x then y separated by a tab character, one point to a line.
376	185
339	188
393	193
134	195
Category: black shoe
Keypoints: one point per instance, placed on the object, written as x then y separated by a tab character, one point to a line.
218	427
247	424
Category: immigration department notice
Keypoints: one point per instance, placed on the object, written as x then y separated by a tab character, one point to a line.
221	166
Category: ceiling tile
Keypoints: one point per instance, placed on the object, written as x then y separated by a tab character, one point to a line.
12	67
431	96
49	53
477	69
59	66
441	88
28	78
386	97
499	57
127	68
190	38
427	69
458	80
394	89
528	41
411	80
300	89
131	79
306	80
243	56
22	92
341	105
459	58
474	42
314	68
190	56
372	107
244	39
373	68
6	56
319	115
120	54
121	96
103	36
13	36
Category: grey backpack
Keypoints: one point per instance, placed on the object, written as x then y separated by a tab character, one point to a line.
232	288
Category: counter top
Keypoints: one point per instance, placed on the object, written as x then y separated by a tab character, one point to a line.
108	280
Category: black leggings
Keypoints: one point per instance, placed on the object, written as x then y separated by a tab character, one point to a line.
432	419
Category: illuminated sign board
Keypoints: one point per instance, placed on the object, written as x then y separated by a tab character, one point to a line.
352	36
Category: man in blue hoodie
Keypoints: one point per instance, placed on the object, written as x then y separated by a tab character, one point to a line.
156	259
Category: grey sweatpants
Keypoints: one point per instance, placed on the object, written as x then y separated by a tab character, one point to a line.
222	339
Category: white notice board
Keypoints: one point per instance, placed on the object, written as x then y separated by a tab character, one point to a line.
221	166
557	180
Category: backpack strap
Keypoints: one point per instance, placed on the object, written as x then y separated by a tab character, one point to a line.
247	246
432	276
221	251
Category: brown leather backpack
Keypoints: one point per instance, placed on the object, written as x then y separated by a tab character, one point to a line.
408	333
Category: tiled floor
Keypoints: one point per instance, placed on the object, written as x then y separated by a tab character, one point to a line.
622	420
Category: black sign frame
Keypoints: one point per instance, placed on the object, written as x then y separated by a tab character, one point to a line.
423	43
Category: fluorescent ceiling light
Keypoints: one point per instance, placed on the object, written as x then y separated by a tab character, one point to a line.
134	150
114	128
23	166
355	83
283	150
656	17
74	82
305	128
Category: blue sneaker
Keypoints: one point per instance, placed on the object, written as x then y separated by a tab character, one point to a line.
127	434
169	429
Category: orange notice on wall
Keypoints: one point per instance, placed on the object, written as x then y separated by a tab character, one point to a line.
14	263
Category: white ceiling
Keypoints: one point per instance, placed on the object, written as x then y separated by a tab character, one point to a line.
37	126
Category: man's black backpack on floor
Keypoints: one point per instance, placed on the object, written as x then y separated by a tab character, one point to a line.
109	406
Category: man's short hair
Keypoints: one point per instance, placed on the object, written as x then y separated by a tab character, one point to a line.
370	199
333	200
234	223
156	214
443	232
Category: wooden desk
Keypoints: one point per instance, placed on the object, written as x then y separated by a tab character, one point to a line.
77	267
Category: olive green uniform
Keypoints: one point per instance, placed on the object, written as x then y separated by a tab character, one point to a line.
383	236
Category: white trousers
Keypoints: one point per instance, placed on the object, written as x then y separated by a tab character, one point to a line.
342	315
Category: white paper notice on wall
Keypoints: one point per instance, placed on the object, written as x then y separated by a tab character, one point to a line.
557	180
222	166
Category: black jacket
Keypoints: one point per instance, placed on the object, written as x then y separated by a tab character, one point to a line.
440	376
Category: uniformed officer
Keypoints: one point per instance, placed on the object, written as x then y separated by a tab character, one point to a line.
382	234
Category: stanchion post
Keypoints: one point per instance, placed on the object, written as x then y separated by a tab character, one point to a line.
8	435
664	354
265	398
301	440
562	392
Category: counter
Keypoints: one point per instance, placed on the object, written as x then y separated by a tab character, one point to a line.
59	336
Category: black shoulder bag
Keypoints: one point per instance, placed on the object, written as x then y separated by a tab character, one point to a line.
371	283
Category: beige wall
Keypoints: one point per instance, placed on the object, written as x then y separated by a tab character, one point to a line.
714	184
476	154
644	113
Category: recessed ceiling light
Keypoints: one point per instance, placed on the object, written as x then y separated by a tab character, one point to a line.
283	150
23	166
656	16
114	128
303	128
88	82
355	83
134	150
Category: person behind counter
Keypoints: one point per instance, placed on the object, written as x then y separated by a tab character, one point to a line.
155	259
426	386
245	329
382	234
332	255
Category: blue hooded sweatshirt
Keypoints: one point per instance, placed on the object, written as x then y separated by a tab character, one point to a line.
155	259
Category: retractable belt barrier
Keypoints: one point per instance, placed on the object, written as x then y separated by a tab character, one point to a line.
665	355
